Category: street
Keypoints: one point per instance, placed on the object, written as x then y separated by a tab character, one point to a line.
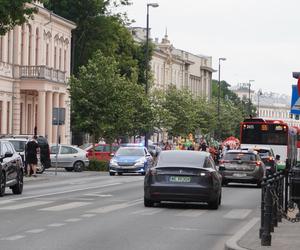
92	210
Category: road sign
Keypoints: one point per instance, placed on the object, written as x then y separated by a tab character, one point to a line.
295	104
58	116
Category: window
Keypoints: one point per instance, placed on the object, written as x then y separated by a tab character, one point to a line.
4	149
65	60
55	56
47	54
29	44
54	150
22	44
37	46
59	62
68	150
8	117
1	48
8	46
9	147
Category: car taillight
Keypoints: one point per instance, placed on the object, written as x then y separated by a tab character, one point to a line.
258	163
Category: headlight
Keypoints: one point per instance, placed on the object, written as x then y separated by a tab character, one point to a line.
140	163
113	162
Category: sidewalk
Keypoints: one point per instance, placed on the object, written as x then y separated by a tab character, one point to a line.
285	237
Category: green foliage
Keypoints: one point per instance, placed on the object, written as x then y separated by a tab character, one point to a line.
14	12
96	165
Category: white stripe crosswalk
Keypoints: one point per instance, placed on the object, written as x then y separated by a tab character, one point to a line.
66	206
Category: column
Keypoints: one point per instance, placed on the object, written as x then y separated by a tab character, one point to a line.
62	128
16	114
54	128
4	117
41	118
49	106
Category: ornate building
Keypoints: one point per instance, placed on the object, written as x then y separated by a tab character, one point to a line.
171	66
34	71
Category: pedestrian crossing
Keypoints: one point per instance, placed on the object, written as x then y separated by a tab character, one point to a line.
92	208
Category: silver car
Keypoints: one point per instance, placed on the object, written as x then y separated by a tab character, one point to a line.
68	157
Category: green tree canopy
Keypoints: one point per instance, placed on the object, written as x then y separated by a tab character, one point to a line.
14	12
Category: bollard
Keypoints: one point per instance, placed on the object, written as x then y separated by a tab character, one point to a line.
266	235
279	192
274	207
262	208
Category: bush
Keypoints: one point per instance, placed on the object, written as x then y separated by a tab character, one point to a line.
96	165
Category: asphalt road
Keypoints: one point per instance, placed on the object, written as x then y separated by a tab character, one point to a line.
92	211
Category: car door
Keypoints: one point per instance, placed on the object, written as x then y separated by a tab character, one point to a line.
8	163
67	156
54	149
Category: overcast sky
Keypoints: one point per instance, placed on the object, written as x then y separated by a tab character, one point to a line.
259	38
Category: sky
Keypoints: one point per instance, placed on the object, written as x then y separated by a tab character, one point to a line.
259	38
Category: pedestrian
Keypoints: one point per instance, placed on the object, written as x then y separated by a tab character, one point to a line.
31	151
167	146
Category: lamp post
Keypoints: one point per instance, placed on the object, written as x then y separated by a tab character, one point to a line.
249	98
259	93
154	5
219	96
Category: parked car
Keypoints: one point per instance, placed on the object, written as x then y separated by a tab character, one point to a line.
102	151
183	176
69	157
19	143
130	160
11	169
242	166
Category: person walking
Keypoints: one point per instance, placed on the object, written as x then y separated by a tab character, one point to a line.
31	149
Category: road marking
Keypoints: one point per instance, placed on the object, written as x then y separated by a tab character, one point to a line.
66	192
73	220
5	202
237	214
25	205
65	206
115	207
88	215
35	231
148	211
56	225
15	237
99	195
191	213
183	229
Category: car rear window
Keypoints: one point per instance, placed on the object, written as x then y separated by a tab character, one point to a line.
18	145
264	153
240	157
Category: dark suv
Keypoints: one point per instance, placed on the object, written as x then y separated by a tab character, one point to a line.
19	143
11	170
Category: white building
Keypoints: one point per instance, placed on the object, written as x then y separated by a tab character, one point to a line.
171	66
34	70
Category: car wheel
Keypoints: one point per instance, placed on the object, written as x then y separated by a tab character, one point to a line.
148	203
69	169
111	173
78	166
2	183
214	204
18	188
120	173
258	184
40	169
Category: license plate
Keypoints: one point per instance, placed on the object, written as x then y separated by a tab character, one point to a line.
239	175
184	179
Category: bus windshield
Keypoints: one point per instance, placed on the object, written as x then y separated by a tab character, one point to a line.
264	133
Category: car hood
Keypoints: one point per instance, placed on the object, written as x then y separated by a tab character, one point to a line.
128	158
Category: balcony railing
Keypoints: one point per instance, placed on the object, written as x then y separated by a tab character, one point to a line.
42	72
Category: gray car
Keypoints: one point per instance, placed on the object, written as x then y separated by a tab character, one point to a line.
242	166
69	157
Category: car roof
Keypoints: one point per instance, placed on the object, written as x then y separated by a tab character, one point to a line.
135	147
258	148
245	151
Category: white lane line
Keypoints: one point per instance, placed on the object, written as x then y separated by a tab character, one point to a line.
99	195
15	237
36	231
25	205
5	202
148	211
88	215
183	229
237	214
115	207
66	192
65	206
191	213
73	220
56	225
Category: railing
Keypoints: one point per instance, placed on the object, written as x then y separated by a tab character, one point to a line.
42	72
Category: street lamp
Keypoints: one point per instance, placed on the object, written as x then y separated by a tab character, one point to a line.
249	107
219	95
259	93
154	5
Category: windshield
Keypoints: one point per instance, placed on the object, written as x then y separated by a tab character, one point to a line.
130	152
239	157
18	145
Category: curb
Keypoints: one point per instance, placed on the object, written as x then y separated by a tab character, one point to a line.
232	243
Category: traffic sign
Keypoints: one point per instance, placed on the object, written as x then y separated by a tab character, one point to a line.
58	116
295	104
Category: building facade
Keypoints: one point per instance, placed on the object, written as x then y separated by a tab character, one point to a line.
34	71
171	66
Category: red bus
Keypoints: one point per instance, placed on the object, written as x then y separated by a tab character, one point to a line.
276	134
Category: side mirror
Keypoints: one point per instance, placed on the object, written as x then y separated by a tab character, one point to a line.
8	154
148	155
112	154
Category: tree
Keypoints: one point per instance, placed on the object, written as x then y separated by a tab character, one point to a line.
104	103
14	13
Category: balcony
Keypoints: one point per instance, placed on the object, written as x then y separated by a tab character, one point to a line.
42	72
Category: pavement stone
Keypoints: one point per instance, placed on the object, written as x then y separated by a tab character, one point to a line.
284	237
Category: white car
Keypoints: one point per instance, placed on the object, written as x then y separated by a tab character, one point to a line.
68	157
